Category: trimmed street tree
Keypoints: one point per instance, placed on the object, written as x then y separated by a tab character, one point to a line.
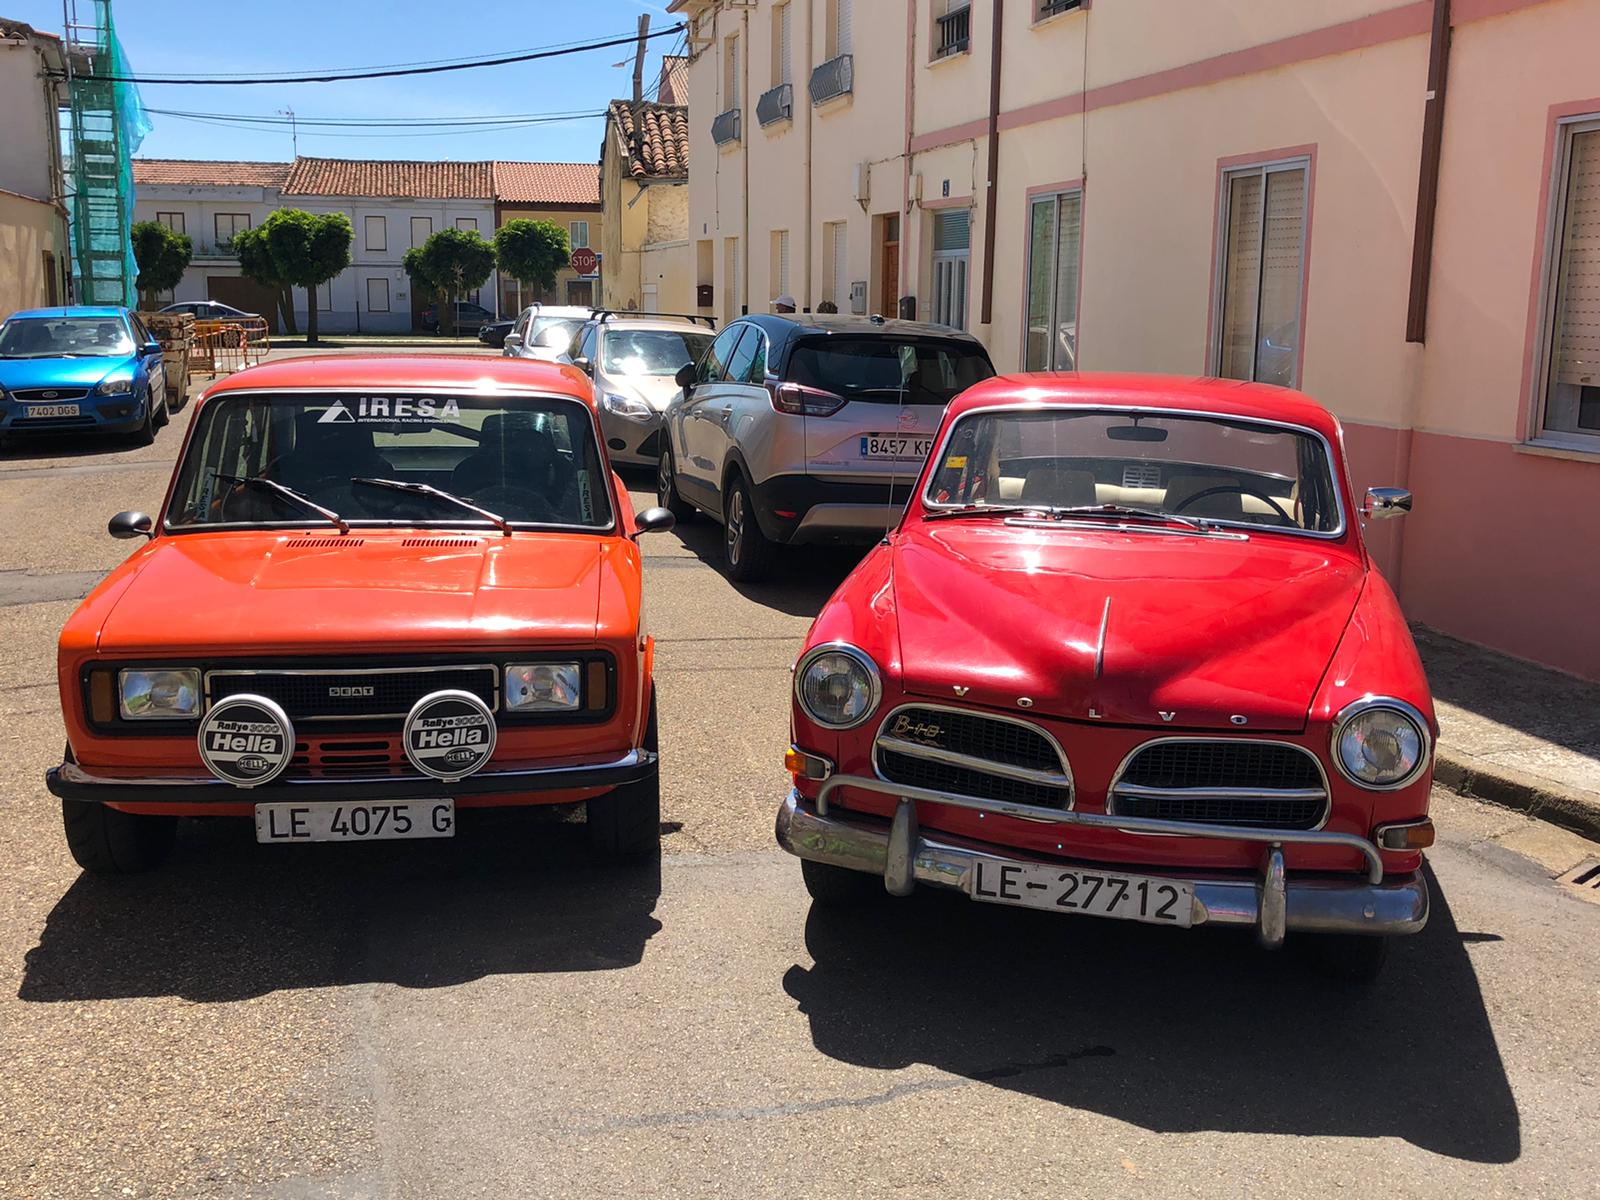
256	263
449	263
531	252
162	255
306	250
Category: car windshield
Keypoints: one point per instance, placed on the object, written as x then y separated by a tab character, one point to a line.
65	337
888	369
652	351
552	331
1196	467
527	459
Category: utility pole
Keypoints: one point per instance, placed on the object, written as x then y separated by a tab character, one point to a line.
294	129
637	147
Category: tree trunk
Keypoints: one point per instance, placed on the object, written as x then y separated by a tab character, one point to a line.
447	314
311	316
286	310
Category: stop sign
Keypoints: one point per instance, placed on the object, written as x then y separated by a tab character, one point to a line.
585	261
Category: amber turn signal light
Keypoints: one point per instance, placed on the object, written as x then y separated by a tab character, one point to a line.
806	766
102	697
1416	835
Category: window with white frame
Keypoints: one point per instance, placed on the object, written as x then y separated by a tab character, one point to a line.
225	226
779	268
952	248
1569	409
1261	272
172	220
836	246
1055	239
421	230
468	223
780	45
377	295
578	234
376	232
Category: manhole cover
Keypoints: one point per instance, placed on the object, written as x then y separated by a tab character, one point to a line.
1583	879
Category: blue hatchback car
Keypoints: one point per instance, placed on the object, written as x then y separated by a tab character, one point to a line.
84	368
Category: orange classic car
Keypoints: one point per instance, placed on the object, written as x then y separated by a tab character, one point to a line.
378	590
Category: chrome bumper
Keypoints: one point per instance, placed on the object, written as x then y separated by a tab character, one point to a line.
1271	902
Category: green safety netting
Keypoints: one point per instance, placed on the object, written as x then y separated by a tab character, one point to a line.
107	124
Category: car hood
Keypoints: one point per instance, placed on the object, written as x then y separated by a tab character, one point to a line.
655	390
19	373
1207	632
241	593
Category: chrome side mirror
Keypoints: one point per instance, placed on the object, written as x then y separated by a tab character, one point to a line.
131	525
1384	502
513	341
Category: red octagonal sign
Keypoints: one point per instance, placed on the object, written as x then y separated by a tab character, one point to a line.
585	260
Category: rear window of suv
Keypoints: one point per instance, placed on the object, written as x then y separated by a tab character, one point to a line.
889	370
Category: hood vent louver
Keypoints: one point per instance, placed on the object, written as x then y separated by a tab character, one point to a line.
323	543
459	543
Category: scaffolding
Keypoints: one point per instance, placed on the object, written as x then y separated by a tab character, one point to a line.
104	125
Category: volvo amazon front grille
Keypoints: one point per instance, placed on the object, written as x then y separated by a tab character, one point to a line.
972	754
354	693
1222	781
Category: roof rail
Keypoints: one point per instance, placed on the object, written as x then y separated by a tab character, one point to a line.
605	314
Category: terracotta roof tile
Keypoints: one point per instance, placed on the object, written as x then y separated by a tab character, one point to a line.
208	173
575	184
404	178
665	150
674	85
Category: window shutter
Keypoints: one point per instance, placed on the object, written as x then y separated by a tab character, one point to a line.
843	36
952	229
1576	352
1241	279
783	261
782	74
1282	257
841	252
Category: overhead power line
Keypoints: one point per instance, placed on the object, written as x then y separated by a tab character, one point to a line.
391	72
377	122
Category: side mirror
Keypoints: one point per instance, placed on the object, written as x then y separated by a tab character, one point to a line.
1384	502
688	375
654	520
584	365
513	341
131	525
150	349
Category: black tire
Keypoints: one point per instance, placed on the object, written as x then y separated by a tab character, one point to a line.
840	887
745	549
105	841
1352	957
625	823
164	413
146	433
667	487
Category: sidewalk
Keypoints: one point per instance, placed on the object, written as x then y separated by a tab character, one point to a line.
1514	733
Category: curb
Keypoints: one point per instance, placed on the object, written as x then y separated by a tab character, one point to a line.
1571	808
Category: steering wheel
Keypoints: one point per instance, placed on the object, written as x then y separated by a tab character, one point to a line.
1223	489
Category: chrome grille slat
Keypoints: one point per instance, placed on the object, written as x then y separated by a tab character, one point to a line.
1224	781
972	753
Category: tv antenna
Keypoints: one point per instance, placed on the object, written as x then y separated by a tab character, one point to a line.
294	129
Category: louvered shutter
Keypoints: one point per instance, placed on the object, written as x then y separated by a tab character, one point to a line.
841	254
1282	259
783	262
782	75
842	37
1241	279
1576	352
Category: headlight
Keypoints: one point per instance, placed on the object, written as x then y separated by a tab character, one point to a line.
543	687
162	694
115	385
628	406
837	685
1380	743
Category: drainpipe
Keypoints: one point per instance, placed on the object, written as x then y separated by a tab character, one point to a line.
992	186
905	175
805	295
744	146
1428	175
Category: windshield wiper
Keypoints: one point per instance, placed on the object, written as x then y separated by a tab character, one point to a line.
992	510
262	483
1052	512
427	489
1122	510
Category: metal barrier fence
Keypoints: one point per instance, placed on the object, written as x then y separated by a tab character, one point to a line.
222	347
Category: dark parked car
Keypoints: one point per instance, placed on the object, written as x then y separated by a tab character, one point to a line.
209	310
469	317
494	333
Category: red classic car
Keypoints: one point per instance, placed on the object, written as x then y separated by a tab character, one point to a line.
1126	655
406	585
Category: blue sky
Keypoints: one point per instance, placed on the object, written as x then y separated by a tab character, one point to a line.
194	37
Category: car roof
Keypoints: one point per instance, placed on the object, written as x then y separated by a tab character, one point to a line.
673	324
788	325
411	373
575	311
77	310
1213	397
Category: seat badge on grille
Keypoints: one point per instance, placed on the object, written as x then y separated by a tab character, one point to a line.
350	692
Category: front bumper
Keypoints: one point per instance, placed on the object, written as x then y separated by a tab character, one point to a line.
1271	903
69	781
96	414
634	440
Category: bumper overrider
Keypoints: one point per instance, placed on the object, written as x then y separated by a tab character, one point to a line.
1271	902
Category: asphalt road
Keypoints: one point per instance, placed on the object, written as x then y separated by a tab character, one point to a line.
498	1016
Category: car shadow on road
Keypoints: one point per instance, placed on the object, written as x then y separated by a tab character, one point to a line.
1171	1031
802	577
516	892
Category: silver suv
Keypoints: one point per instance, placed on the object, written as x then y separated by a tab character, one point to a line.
544	331
634	361
807	429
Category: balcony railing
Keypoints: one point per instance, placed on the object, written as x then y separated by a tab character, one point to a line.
775	105
725	128
955	31
1049	8
834	78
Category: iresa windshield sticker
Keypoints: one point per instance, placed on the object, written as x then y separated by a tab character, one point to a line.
389	410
